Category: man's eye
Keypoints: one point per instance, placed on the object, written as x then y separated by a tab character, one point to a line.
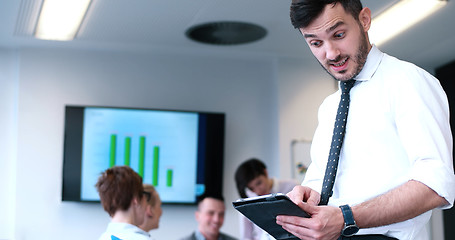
316	43
339	35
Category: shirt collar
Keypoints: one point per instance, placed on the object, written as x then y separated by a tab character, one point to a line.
126	227
371	65
199	235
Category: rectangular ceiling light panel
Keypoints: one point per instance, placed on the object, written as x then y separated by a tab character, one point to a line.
401	16
60	19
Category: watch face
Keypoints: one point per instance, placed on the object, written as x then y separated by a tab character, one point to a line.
350	230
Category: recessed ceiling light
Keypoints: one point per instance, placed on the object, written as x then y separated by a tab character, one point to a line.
60	20
401	16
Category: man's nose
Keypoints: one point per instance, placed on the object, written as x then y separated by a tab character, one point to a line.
332	51
217	218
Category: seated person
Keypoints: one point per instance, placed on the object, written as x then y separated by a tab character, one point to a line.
122	196
252	179
153	210
210	218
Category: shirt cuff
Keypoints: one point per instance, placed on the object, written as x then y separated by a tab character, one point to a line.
436	176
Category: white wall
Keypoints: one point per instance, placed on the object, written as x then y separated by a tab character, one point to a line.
300	94
8	129
49	79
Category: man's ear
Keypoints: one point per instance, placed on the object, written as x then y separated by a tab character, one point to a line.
196	216
134	201
149	211
365	18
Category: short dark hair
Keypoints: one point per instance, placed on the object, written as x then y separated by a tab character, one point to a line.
303	12
117	186
216	196
246	172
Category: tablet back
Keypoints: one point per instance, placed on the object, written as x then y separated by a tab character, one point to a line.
263	210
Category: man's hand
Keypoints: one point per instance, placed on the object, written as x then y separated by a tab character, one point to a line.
325	222
304	194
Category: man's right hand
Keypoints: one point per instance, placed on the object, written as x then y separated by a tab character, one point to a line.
301	194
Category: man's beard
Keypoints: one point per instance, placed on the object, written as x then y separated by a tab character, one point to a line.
360	59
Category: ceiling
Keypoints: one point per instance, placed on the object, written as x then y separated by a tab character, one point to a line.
160	25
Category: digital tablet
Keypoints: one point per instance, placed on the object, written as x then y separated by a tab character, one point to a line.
262	211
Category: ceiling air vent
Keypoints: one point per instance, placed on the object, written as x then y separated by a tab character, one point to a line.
226	33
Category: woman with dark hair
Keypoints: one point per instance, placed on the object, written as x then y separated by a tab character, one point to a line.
252	179
122	196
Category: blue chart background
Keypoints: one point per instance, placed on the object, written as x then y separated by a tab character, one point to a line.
175	133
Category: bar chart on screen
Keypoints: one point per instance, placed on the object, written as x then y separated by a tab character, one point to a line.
161	147
141	160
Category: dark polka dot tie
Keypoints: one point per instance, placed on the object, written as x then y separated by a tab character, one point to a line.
337	141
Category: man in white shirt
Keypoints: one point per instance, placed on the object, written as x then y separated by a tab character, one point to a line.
395	164
123	198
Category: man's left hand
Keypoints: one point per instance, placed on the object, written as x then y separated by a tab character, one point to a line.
325	223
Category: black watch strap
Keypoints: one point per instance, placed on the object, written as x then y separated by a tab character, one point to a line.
350	227
347	214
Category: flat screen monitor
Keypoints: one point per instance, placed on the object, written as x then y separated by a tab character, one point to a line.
180	153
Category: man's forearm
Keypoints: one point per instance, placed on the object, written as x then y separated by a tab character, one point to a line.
402	203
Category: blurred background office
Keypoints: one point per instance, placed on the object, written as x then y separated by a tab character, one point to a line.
241	58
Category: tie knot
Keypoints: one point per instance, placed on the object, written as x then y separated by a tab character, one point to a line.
347	85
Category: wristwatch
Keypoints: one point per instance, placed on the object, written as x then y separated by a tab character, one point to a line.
350	228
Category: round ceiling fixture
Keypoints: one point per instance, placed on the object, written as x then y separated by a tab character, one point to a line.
226	33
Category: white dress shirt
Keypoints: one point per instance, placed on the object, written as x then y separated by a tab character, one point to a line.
397	130
124	231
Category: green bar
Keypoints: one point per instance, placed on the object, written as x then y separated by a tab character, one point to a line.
169	177
127	151
156	158
113	150
141	156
